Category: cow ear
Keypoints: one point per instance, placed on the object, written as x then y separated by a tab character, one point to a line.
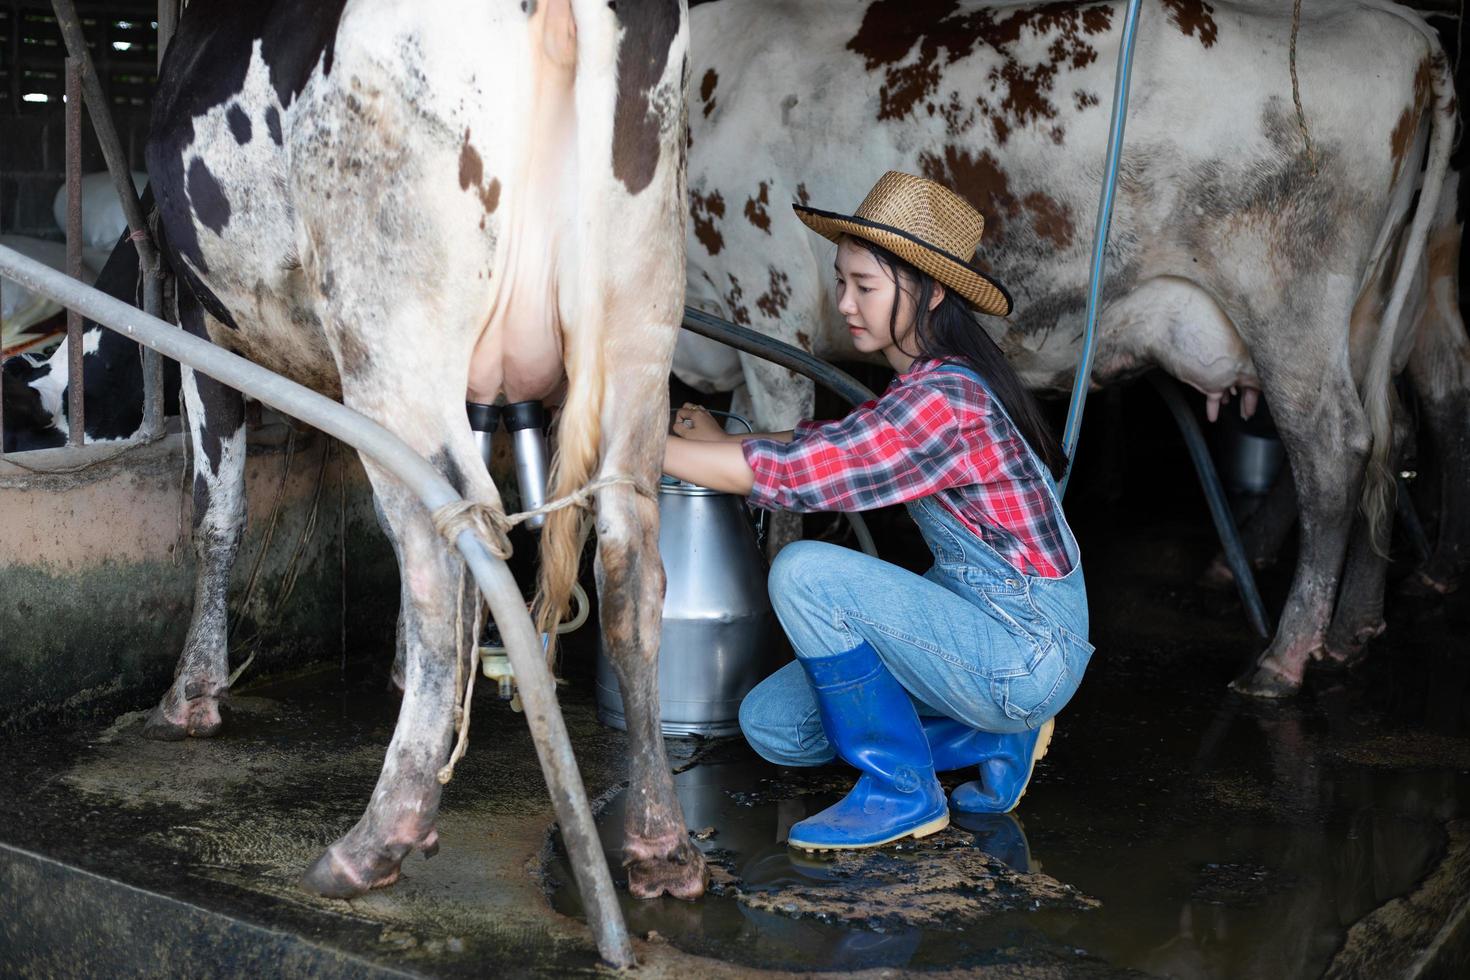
936	295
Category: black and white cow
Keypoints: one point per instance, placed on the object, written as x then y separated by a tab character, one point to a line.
1240	256
402	204
36	389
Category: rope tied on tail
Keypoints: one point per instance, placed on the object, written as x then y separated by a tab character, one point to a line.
491	527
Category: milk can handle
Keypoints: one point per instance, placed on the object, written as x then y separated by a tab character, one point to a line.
760	515
749	429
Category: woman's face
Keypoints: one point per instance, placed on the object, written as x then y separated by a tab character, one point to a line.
866	294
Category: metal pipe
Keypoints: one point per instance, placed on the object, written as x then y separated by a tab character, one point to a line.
538	694
1100	238
153	289
1204	466
76	400
97	106
844	385
1404	504
152	426
168	23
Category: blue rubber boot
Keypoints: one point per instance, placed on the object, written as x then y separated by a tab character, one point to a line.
871	722
1006	762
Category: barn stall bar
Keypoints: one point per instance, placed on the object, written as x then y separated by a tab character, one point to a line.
1271	853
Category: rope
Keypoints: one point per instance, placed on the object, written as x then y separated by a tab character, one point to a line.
492	526
1296	89
461	710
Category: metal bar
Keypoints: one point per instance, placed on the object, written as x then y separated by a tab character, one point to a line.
1204	466
1404	504
168	23
152	425
1083	380
101	114
76	421
538	694
153	286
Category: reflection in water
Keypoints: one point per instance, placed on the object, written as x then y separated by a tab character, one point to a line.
1223	838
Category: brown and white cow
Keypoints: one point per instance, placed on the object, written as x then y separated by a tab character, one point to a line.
1238	250
400	204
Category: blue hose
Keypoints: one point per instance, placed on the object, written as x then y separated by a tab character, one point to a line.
1100	237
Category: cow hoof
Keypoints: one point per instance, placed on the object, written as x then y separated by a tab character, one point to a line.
1422	585
1263	682
199	718
334	876
680	872
1344	654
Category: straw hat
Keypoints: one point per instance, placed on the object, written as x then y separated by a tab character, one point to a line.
925	224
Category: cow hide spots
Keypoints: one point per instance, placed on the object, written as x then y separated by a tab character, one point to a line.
239	124
1194	18
704	211
1402	136
739	313
642	114
802	197
982	181
291	47
472	176
1020	93
707	91
773	301
273	124
207	198
755	208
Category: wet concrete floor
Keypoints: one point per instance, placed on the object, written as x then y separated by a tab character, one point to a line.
1174	829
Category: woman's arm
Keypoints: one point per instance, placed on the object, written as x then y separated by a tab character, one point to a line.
694	423
718	465
701	452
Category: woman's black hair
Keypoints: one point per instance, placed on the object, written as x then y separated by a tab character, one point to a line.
950	332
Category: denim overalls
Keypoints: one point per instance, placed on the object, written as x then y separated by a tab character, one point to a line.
971	639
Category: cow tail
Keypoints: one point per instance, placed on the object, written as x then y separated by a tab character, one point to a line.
1379	485
578	453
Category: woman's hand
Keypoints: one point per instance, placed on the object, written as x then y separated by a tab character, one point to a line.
694	423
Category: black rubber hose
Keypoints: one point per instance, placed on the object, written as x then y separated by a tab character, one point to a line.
777	352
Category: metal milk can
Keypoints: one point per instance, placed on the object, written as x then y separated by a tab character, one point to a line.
719	637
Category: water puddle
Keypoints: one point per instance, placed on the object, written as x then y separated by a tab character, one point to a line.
1162	835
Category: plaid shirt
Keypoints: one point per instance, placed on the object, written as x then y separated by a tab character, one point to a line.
933	432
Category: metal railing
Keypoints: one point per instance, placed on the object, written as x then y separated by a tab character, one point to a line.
84	90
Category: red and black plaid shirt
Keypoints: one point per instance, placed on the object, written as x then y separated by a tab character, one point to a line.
933	432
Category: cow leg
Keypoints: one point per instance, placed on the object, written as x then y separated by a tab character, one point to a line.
630	586
400	645
1358	617
1439	367
191	706
1263	534
1326	436
437	625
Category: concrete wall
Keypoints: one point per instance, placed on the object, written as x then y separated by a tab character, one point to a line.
96	571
